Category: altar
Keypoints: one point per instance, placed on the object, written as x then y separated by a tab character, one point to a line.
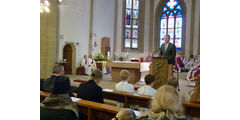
133	67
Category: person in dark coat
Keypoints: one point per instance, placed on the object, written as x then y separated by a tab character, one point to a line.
58	105
168	50
90	90
58	71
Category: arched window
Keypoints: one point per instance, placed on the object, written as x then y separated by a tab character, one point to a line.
171	23
131	24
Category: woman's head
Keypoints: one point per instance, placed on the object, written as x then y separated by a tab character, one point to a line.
96	75
195	96
167	98
125	114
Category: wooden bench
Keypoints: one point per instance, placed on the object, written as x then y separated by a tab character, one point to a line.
93	110
192	109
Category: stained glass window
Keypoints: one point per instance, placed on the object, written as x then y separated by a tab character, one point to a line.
171	23
131	24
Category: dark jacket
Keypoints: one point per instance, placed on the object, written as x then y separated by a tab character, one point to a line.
170	53
90	91
48	83
56	114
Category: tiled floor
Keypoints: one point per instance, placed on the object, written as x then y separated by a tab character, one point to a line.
108	83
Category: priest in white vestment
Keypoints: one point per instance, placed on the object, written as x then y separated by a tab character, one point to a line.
84	64
91	65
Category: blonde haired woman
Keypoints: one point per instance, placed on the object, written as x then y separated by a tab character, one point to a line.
166	105
194	95
125	114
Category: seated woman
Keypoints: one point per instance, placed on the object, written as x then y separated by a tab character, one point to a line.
125	114
194	95
58	105
166	105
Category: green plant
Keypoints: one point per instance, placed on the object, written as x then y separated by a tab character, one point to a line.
121	58
99	57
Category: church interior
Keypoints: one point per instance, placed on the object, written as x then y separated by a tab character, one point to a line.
122	38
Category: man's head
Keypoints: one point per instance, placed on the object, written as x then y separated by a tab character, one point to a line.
90	56
85	56
96	75
166	38
124	74
149	79
58	70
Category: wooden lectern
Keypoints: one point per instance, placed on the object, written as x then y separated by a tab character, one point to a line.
160	71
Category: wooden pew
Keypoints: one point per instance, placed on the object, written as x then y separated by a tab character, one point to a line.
128	98
192	109
93	110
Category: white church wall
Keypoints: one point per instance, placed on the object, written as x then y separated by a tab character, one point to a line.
74	26
103	22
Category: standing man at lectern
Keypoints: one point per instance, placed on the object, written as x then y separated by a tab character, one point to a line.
168	50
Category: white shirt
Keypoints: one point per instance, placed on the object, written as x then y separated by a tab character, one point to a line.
166	46
125	87
146	90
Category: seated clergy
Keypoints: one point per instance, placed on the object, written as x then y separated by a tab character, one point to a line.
84	64
58	72
58	105
90	90
193	73
147	89
124	85
91	65
190	63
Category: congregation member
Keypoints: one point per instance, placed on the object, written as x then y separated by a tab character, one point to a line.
147	89
84	64
124	85
125	114
58	105
193	73
173	82
57	72
166	105
91	65
194	95
90	90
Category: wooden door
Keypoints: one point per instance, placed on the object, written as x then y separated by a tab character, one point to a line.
67	54
105	46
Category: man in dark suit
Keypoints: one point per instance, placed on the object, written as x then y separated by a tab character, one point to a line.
90	90
58	72
168	50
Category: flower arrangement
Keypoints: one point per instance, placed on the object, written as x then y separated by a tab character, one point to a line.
99	57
